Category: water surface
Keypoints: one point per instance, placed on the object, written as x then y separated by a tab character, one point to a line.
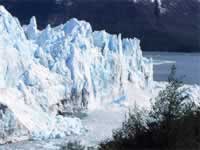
187	64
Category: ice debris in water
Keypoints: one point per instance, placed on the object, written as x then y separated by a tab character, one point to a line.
46	74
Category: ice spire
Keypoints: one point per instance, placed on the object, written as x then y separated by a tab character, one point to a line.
3	11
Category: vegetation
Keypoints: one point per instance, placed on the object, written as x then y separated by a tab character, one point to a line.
76	145
172	123
73	146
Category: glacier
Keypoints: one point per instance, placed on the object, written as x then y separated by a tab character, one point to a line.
48	76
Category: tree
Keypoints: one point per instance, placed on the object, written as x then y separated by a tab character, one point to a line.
172	102
172	123
170	105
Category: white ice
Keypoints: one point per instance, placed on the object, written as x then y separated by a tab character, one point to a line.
39	69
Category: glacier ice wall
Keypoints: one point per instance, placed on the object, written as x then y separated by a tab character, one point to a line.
98	64
47	74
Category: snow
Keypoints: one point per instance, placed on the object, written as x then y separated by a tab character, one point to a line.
66	69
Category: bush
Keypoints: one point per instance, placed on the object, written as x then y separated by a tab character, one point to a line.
172	123
73	146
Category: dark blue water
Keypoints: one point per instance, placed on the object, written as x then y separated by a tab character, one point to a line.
187	64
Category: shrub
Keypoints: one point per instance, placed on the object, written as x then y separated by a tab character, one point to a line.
172	123
73	146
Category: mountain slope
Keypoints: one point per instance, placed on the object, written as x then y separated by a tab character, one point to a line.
172	25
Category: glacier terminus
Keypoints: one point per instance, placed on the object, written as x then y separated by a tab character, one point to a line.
51	78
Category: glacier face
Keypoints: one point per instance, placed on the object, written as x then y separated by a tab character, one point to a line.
96	63
47	74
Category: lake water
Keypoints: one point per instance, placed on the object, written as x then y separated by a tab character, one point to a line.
187	64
